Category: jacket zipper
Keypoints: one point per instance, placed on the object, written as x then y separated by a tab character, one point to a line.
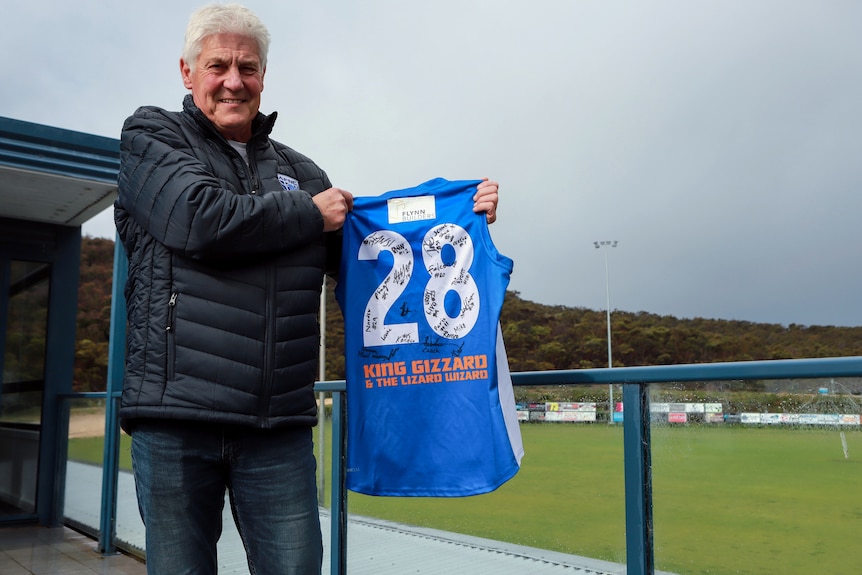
254	185
269	329
254	179
171	351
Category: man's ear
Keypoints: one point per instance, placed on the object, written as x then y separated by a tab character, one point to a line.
186	72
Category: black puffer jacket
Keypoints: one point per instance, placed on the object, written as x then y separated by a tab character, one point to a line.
225	271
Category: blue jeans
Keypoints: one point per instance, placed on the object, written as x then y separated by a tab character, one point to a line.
181	473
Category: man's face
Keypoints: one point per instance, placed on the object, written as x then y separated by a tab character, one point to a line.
226	83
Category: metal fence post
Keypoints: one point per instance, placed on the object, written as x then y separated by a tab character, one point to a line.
638	479
116	362
338	535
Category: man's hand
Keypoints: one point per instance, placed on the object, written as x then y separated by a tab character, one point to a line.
333	204
485	199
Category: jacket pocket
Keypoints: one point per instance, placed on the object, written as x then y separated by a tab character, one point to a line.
171	336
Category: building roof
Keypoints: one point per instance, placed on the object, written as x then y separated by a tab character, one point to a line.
53	175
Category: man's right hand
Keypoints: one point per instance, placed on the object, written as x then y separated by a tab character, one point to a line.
333	204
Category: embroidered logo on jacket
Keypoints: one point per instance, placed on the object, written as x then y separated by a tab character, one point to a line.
288	183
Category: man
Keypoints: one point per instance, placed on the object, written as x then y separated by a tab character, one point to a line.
228	235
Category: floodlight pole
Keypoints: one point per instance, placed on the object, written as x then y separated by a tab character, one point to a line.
608	244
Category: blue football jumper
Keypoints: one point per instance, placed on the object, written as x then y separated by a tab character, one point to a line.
430	405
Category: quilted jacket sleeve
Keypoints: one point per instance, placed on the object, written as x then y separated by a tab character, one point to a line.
188	193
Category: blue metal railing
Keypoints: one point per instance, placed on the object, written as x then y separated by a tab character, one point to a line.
636	438
116	358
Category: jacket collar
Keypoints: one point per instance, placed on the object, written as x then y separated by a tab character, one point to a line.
261	126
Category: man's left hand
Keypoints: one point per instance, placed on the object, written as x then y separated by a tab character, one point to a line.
485	199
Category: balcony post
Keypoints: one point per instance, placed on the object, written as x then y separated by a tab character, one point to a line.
638	480
338	504
114	390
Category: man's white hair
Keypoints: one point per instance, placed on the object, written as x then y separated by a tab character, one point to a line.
223	18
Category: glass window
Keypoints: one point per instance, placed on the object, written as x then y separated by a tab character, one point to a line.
23	385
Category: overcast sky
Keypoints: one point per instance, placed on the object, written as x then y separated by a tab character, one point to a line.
718	141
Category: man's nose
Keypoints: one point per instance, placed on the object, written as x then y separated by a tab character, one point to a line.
233	79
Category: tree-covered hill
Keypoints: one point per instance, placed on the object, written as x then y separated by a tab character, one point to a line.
540	337
94	314
537	336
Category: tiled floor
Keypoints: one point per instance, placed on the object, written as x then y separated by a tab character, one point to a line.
34	550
